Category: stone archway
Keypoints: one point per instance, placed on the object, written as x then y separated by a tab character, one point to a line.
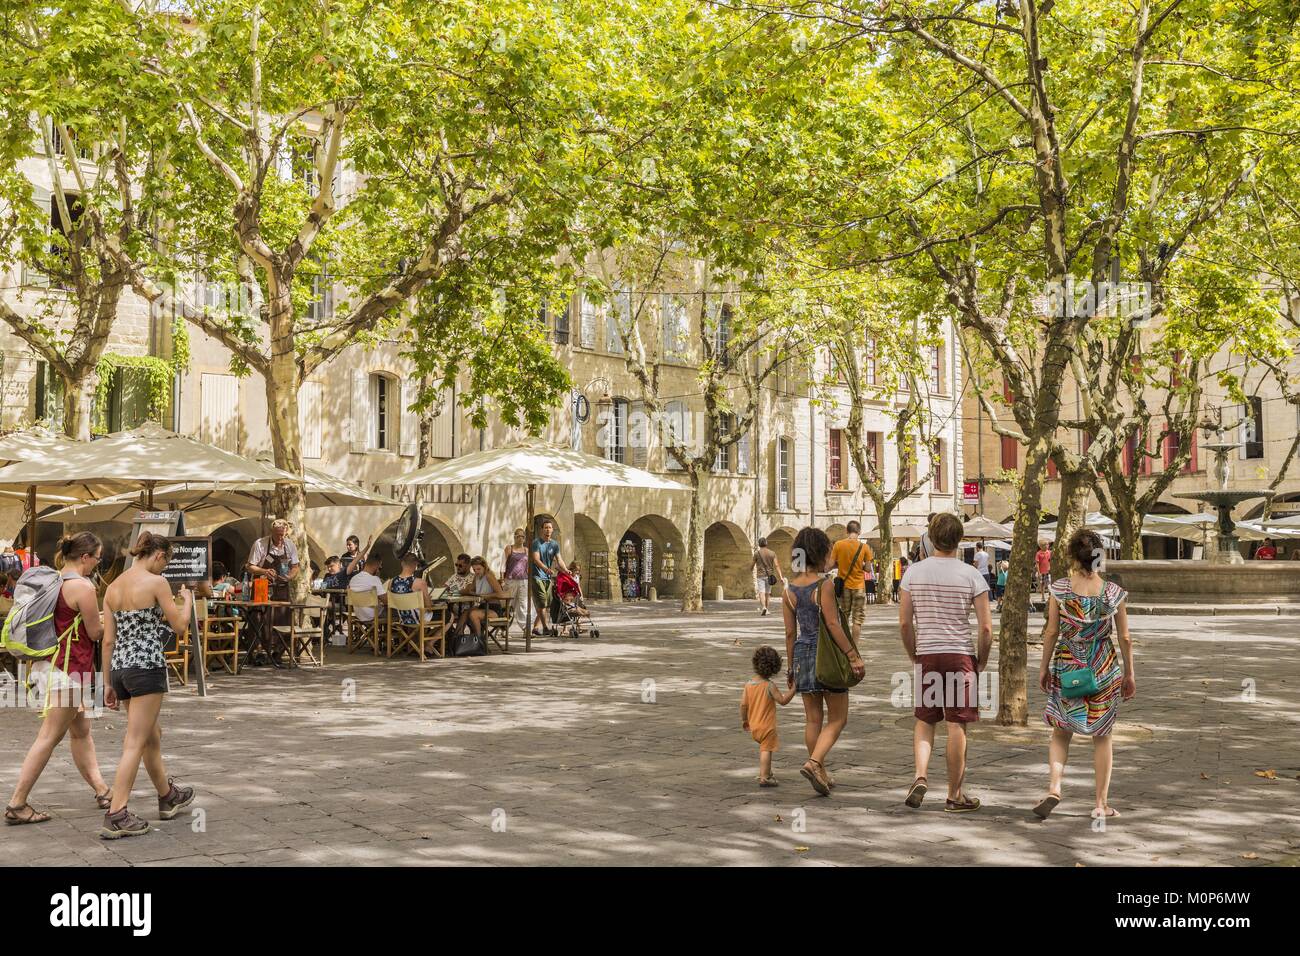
599	568
438	541
727	560
836	532
781	540
650	555
233	541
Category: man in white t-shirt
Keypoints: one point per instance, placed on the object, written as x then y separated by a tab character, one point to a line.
367	579
934	617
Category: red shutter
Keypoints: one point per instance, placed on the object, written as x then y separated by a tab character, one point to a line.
1010	453
1130	453
1191	461
1051	468
1006	390
835	460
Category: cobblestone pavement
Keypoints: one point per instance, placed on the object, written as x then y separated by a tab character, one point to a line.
628	750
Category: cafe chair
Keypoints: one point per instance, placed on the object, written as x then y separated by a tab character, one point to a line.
307	636
177	655
498	626
410	637
220	637
363	633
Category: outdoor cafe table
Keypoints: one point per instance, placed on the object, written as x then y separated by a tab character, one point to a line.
259	635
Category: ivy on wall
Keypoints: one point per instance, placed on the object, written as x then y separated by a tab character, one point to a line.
146	379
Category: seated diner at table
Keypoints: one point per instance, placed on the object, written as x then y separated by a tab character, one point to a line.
460	583
367	579
488	587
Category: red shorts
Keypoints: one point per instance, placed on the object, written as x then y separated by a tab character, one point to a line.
946	688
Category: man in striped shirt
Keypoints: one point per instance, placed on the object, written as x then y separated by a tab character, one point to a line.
934	616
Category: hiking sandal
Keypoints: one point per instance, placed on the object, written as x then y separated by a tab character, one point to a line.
817	777
917	793
33	815
104	800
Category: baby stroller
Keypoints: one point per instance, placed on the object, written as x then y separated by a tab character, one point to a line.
569	613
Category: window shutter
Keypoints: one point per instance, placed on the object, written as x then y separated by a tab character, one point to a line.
409	431
590	318
616	322
674	433
743	453
309	418
219	411
359	424
638	436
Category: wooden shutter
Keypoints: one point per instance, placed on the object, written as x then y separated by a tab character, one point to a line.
359	420
408	434
309	418
219	411
443	445
590	318
638	435
744	453
1010	453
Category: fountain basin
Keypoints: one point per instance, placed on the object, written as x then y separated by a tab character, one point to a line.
1203	583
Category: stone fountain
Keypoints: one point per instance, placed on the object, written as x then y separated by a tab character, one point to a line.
1222	583
1223	499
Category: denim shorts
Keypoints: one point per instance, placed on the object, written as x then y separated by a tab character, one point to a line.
805	671
138	681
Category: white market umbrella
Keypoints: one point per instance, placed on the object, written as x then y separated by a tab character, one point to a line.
130	461
219	505
36	442
982	527
532	463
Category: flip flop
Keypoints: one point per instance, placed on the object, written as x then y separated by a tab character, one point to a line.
1047	805
917	793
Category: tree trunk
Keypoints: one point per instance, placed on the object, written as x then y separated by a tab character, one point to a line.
693	594
1076	487
1128	522
1013	691
885	558
78	403
282	386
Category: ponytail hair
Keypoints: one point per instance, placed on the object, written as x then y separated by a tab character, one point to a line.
149	544
74	546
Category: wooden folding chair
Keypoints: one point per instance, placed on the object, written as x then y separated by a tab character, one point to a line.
406	636
220	637
363	633
306	627
177	656
498	625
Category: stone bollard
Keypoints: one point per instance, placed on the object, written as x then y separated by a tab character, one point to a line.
717	596
654	594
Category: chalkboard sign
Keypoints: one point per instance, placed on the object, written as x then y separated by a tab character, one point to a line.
191	560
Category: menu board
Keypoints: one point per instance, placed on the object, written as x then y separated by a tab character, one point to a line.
191	560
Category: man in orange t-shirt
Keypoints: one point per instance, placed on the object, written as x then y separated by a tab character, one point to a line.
853	559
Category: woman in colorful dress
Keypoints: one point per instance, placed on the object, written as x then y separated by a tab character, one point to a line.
514	575
1085	616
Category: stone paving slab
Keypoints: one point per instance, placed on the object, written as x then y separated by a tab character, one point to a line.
627	751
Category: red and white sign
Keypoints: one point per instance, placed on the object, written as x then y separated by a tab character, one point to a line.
970	492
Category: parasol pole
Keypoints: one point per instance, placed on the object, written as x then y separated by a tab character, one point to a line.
31	525
528	581
148	495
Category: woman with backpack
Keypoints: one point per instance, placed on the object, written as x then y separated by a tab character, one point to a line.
140	615
66	678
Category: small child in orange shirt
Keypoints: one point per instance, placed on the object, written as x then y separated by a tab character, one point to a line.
758	710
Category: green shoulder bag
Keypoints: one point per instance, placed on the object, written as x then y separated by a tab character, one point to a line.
833	668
